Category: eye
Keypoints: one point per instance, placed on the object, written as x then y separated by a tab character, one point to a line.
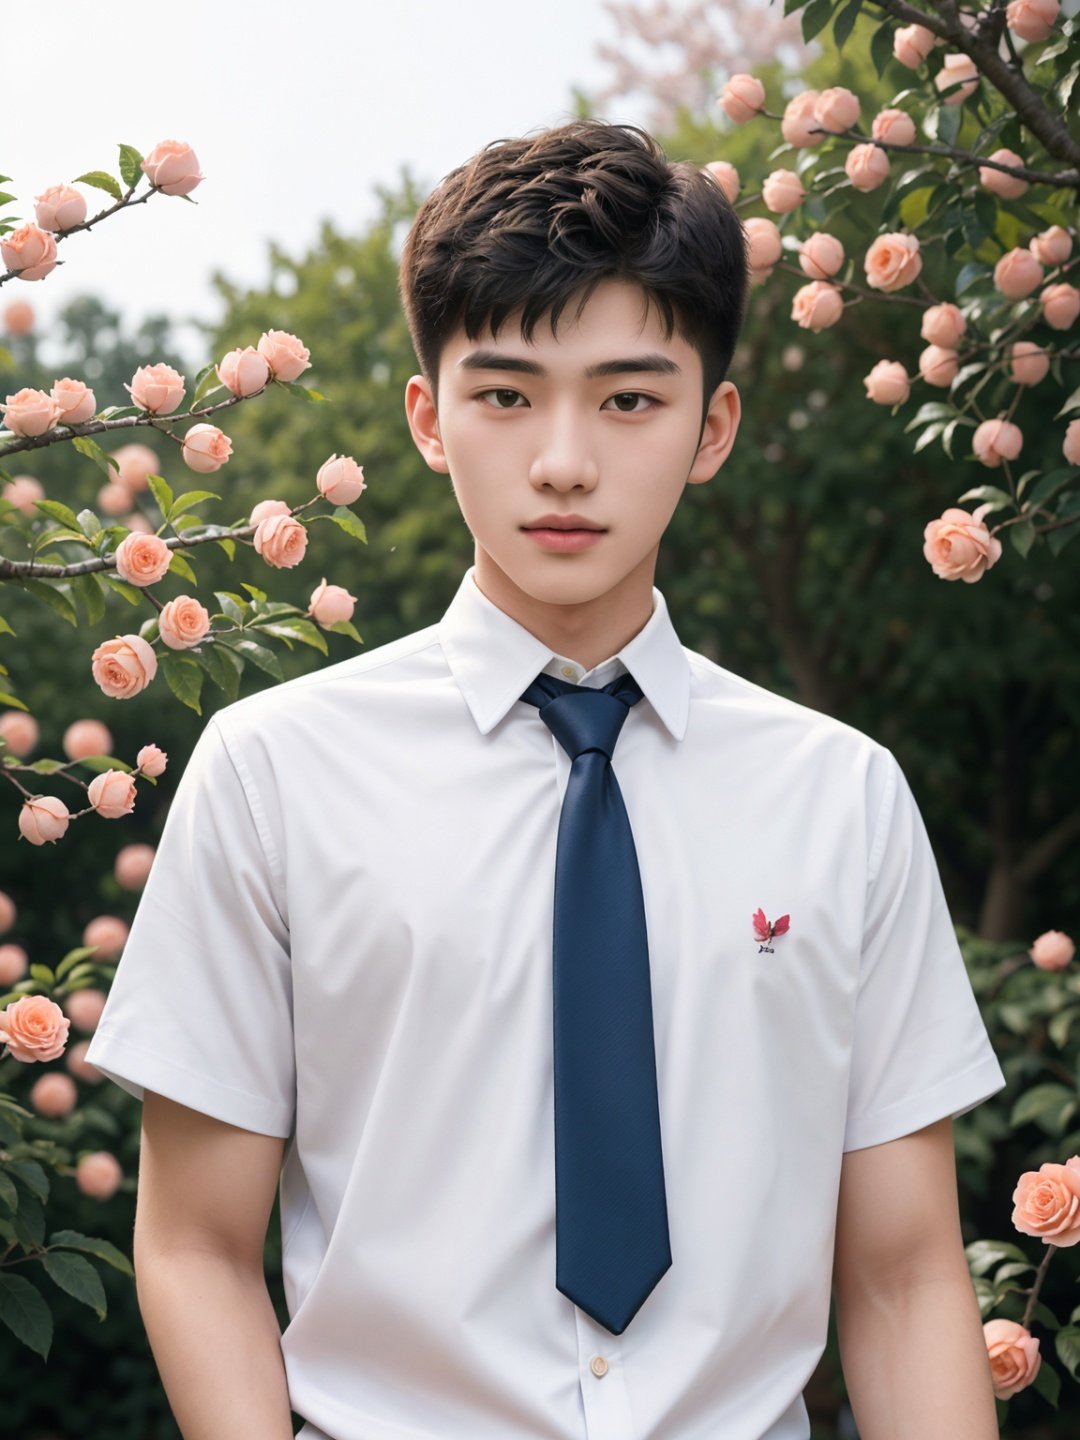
626	402
501	399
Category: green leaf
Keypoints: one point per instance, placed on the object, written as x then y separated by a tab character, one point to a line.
845	22
89	447
1051	482
229	546
258	655
89	523
131	593
254	591
72	1240
815	17
346	627
1038	1100
932	410
1048	1383
1067	1345
50	593
969	274
315	396
1022	536
30	1174
9	1196
43	975
25	1313
181	565
982	1255
88	592
184	678
101	180
131	171
928	435
301	630
223	667
8	1135
191	498
58	511
13	700
232	606
72	958
5	628
162	494
1000	498
78	1278
29	1223
881	48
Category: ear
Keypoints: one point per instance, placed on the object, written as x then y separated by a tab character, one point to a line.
424	423
718	436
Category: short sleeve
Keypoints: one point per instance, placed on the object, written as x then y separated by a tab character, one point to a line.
920	1050
200	1008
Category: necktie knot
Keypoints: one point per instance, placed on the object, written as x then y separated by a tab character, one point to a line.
580	717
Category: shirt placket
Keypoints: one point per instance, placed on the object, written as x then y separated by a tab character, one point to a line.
603	1381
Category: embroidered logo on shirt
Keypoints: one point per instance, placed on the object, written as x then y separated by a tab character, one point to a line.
764	931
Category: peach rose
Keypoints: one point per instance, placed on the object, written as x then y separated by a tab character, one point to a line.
137	463
7	911
142	559
157	388
821	255
54	1094
31	412
23	491
284	353
340	480
887	383
1028	363
60	207
763	243
183	622
172	168
959	546
799	122
1051	247
124	666
997	440
331	603
726	176
912	44
19	732
895	127
244	371
893	261
866	166
112	794
1053	950
76	1061
997	182
76	400
742	98
43	819
86	737
268	507
1046	1203
943	325
817	306
131	868
1032	20
938	366
18	317
957	69
83	1008
34	1029
151	760
1014	1356
108	933
98	1175
14	963
29	252
1017	273
837	109
138	521
205	449
783	192
281	541
1060	305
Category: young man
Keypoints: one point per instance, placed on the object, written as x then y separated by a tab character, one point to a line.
604	1007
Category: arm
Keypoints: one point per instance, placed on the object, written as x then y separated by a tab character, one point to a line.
911	1341
205	1193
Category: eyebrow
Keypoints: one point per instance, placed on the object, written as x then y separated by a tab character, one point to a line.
652	364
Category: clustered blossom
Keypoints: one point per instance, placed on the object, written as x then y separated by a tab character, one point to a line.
959	546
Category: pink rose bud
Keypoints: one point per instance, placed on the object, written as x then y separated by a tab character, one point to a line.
139	522
896	127
1014	1356
1060	305
205	449
114	499
887	383
124	666
866	166
997	440
957	68
959	546
943	325
1017	273
837	109
997	182
76	1062
1053	950
18	317
726	176
151	760
1051	247
30	252
287	357
268	507
157	388
821	255
1029	363
893	261
43	819
22	491
1046	1204
799	125
172	168
742	98
98	1175
76	400
912	44
137	463
783	192
31	412
112	794
331	603
54	1094
86	737
83	1008
763	243
817	306
131	868
34	1029
1070	447
938	365
109	933
8	911
340	480
281	541
19	732
183	622
60	207
244	372
14	963
1032	20
142	559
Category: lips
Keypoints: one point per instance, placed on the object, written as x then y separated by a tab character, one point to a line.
552	522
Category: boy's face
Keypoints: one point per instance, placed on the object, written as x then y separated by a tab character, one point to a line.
602	423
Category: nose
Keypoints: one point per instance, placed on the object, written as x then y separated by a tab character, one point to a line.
564	458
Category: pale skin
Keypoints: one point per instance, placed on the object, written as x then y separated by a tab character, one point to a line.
617	447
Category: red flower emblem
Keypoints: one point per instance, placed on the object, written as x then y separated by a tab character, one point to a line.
764	932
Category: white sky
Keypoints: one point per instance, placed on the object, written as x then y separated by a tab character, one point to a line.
295	109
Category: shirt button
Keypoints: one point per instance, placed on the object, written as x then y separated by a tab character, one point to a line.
568	671
598	1366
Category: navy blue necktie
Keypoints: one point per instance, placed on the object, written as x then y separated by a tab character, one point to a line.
611	1227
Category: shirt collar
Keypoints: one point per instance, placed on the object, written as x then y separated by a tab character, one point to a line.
493	658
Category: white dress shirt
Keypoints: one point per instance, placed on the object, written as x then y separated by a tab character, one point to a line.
346	940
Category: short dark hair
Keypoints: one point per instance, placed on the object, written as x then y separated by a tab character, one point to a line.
528	223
